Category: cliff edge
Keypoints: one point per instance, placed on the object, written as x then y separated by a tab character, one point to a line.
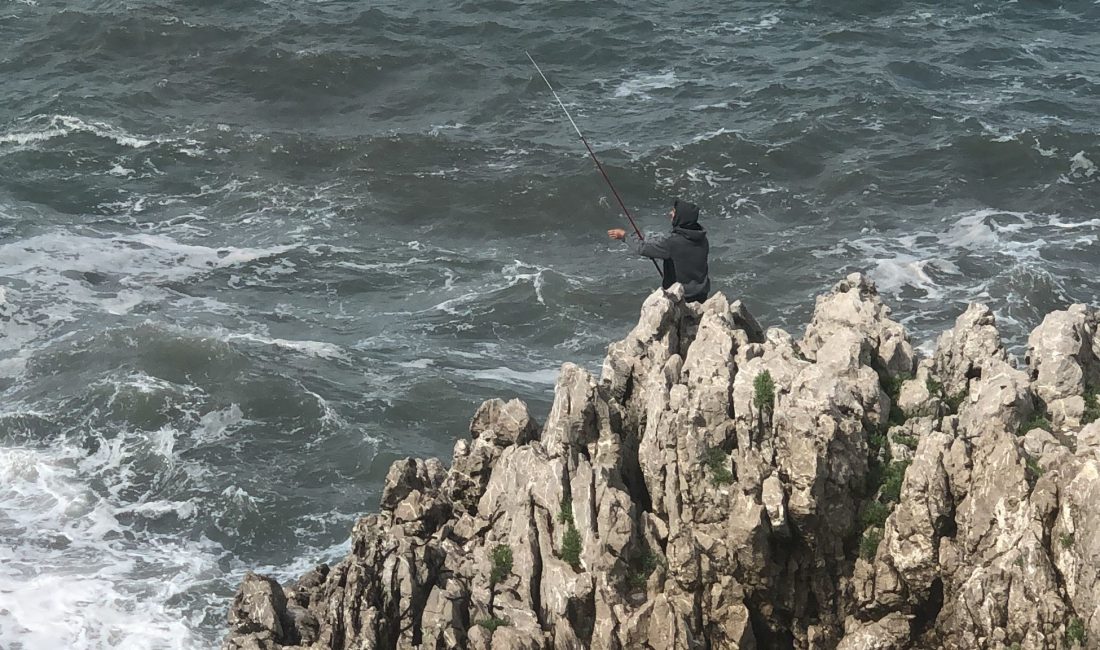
723	486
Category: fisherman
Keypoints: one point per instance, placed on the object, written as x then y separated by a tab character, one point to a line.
684	251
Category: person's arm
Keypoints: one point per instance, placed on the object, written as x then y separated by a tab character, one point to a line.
654	247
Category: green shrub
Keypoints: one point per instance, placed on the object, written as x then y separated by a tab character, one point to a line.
1038	420
764	392
892	385
493	623
874	514
875	442
955	401
935	388
502	564
565	515
1066	539
868	546
892	478
1034	471
1092	408
571	546
718	464
906	440
897	416
647	564
1075	632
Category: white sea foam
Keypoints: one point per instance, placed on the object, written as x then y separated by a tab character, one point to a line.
79	565
71	576
62	125
541	377
1081	165
65	274
921	265
642	85
120	171
765	22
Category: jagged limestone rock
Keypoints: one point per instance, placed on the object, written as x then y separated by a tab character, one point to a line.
677	502
1063	363
853	304
962	351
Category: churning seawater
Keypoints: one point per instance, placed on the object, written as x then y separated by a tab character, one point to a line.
253	251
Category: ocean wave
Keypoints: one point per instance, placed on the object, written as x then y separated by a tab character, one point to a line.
69	577
48	127
641	86
63	269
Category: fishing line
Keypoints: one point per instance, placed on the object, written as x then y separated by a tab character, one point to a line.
593	154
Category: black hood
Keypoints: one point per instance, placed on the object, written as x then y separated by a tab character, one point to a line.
687	216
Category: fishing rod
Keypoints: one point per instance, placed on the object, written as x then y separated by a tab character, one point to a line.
593	154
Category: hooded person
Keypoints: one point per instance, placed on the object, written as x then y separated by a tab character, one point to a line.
684	251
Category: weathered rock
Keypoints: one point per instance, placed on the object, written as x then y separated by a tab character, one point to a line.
775	502
1063	363
922	395
888	633
259	611
503	423
854	305
962	351
410	475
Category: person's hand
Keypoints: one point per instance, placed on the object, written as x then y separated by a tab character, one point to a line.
616	233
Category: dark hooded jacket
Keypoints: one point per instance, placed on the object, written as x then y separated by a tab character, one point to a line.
684	252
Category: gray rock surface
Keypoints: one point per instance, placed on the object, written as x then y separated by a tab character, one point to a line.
1062	358
679	502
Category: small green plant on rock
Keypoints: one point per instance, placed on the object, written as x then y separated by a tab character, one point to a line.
571	546
501	567
1038	419
892	479
875	442
565	514
502	564
868	545
1066	539
874	514
1034	471
571	538
892	387
1092	406
492	623
1075	633
935	388
954	402
718	464
764	392
906	440
647	564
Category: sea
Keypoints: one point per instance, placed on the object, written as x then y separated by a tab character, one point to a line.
254	251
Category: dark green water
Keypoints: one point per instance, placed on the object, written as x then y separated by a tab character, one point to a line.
252	252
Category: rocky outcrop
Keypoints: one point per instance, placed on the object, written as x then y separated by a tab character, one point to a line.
724	486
